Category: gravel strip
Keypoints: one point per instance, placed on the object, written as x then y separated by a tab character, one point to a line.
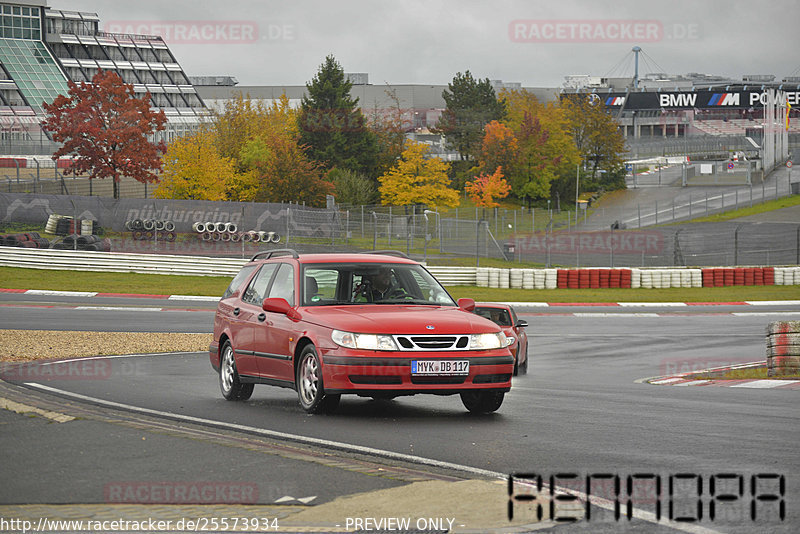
28	345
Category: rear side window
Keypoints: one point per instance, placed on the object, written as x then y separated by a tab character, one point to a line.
239	279
257	290
283	286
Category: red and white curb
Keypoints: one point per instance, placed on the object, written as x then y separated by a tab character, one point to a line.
688	379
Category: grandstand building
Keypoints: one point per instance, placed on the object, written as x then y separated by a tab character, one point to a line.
661	106
42	48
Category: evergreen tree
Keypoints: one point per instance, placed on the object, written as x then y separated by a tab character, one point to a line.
471	104
332	127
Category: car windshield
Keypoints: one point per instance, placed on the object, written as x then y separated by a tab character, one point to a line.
499	315
377	283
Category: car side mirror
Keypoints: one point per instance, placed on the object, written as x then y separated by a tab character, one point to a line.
522	323
280	305
466	304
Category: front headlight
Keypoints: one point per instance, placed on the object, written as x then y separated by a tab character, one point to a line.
510	341
363	341
487	341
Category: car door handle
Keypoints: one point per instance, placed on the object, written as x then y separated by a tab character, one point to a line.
262	317
236	311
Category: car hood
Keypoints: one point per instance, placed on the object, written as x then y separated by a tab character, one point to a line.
398	319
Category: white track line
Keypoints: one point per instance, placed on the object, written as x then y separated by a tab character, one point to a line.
602	503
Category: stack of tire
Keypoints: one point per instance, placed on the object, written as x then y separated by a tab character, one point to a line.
229	232
151	229
84	242
27	240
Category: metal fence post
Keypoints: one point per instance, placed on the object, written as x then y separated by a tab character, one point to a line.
477	241
288	216
374	230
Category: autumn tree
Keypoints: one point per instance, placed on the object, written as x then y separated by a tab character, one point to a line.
487	187
243	119
284	172
546	152
471	104
352	188
389	124
332	126
106	128
596	133
416	179
194	169
499	147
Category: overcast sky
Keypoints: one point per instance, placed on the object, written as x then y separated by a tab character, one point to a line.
266	42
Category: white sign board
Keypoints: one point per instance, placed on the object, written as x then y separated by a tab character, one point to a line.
706	168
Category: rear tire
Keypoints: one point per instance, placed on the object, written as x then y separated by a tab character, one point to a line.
232	388
310	388
482	401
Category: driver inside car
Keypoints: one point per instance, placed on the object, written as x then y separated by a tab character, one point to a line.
380	286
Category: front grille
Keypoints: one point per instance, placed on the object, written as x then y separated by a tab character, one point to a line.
428	343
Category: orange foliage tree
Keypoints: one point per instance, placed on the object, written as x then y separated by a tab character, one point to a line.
486	187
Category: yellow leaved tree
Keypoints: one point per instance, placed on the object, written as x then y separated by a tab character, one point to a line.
194	169
417	179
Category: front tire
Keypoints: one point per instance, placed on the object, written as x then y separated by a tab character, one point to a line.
482	401
523	369
310	387
229	383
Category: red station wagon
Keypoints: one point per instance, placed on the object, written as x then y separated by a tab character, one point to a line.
375	325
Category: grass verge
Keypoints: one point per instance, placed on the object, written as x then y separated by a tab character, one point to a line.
770	205
752	373
155	284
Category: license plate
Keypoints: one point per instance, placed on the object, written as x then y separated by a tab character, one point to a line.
439	367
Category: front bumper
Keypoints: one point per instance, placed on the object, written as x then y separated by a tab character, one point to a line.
372	372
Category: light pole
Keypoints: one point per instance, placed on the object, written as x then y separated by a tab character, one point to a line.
425	253
438	227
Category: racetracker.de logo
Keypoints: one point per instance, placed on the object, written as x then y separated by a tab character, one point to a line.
585	31
181	492
190	31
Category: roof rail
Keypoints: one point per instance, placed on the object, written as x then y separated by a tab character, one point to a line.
388	253
267	254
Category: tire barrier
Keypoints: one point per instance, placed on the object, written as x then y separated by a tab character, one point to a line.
152	235
26	240
149	225
783	348
598	278
84	242
228	231
744	276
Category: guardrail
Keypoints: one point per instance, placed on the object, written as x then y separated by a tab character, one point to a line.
32	258
164	264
